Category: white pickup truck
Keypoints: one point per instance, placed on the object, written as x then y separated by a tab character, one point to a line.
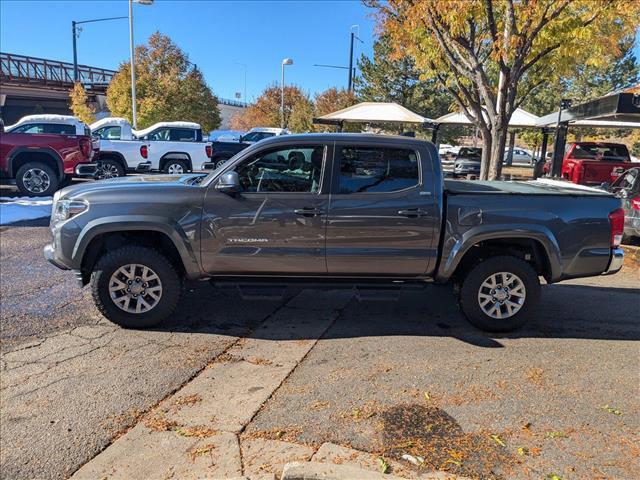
169	147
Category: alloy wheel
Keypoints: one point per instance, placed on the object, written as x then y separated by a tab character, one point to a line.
502	295
135	288
36	180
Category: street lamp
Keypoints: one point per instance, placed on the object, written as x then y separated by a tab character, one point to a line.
286	61
75	32
133	62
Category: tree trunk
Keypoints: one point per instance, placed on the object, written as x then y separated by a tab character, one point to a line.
498	143
486	154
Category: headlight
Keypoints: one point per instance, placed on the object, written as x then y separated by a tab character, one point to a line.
65	209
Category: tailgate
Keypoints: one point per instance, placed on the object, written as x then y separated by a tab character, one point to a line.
596	172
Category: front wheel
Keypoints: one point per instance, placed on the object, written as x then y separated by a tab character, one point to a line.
500	293
108	168
135	287
37	179
175	167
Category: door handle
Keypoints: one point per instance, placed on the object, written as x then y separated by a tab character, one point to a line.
308	212
412	213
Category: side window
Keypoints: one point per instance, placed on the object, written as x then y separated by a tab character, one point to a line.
294	169
162	134
109	133
373	169
59	129
29	128
182	135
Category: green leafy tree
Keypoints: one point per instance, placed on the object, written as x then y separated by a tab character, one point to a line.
491	54
80	104
168	87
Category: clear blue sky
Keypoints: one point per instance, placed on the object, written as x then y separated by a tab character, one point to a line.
215	34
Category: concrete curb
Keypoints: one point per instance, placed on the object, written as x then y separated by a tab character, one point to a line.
325	471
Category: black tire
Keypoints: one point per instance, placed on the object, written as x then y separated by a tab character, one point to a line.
469	293
220	161
25	181
109	168
172	286
172	164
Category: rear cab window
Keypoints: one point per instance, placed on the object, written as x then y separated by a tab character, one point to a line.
610	152
182	135
46	128
366	169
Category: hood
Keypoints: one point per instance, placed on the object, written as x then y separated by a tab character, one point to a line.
131	183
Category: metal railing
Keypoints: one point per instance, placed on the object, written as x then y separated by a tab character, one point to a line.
233	103
23	70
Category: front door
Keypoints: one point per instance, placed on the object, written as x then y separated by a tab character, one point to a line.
382	215
277	224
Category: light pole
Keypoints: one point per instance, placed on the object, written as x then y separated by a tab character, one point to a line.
286	61
75	32
133	62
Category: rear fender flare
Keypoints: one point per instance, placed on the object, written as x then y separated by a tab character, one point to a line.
183	156
503	232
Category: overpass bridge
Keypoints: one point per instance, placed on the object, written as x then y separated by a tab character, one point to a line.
31	85
37	85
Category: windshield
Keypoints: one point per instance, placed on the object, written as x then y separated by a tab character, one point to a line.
257	136
470	152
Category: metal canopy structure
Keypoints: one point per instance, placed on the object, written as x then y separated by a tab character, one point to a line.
373	112
617	110
520	119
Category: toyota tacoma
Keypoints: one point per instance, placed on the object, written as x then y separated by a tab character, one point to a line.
331	210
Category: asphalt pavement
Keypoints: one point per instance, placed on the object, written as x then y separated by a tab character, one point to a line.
558	397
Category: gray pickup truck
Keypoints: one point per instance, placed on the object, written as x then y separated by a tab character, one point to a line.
326	211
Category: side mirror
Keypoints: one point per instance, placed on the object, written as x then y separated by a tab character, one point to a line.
229	183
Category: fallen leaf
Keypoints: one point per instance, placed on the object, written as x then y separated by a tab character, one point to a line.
611	410
526	426
384	466
522	451
498	440
417	461
427	396
557	435
553	476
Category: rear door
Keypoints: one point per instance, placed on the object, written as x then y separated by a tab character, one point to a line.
383	213
277	224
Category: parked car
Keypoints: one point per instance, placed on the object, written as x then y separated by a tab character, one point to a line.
627	188
224	150
50	124
467	162
41	152
520	157
169	147
347	210
120	153
592	163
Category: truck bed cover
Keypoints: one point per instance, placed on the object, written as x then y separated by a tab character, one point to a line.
521	188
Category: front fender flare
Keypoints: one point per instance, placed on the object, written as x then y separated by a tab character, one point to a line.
174	231
482	233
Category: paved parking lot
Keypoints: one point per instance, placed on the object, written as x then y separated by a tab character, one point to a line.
558	397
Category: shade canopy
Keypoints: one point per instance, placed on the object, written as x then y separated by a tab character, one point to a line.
373	112
616	110
520	119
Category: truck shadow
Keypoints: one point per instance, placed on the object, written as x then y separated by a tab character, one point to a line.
565	311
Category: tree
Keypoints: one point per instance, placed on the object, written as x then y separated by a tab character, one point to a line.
332	100
80	104
168	87
265	111
491	54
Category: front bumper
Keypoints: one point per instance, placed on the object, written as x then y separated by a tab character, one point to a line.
50	255
85	169
615	264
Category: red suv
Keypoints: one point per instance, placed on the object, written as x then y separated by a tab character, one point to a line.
593	163
41	151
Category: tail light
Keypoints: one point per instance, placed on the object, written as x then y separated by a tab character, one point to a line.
209	150
86	147
616	219
635	203
144	151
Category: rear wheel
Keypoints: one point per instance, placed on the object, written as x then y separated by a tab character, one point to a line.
135	287
175	167
500	294
108	168
218	162
37	179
